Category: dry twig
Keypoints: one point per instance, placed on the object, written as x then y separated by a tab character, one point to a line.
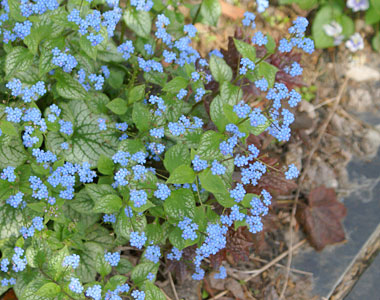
302	178
173	286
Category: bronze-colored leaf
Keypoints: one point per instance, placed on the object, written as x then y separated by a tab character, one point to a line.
321	219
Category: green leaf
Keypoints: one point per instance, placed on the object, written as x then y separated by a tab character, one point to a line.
124	266
15	11
266	70
12	152
177	155
54	263
176	239
372	15
131	145
105	165
138	21
182	174
30	291
102	266
18	60
181	203
154	233
137	93
175	85
49	289
118	106
229	94
86	270
210	11
141	271
114	281
245	49
219	69
152	292
108	204
70	88
87	141
376	42
255	130
326	15
38	32
82	203
8	128
11	221
125	225
224	199
156	77
98	193
45	62
271	45
211	183
87	47
209	145
141	116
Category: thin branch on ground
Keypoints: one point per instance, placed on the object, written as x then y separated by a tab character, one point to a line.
220	295
166	296
277	265
274	261
302	178
173	286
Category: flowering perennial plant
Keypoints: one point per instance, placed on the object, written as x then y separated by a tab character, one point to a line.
108	143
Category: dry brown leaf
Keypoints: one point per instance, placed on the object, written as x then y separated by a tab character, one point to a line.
321	219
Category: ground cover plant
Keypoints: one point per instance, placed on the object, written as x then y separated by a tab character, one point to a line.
115	132
334	21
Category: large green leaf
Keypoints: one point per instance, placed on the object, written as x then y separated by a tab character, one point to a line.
209	145
177	155
141	271
210	11
229	94
181	203
152	292
245	49
108	204
30	292
175	85
182	174
141	116
138	21
125	225
87	141
12	152
219	69
18	60
11	220
211	183
87	267
70	88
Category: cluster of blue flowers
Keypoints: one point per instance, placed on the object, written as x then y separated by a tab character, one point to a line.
62	178
112	258
71	260
64	60
183	124
27	94
189	229
37	224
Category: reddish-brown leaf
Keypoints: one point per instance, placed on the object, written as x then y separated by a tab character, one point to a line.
321	219
10	295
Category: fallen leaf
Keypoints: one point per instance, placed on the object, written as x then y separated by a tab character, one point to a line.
235	288
10	295
231	11
321	219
